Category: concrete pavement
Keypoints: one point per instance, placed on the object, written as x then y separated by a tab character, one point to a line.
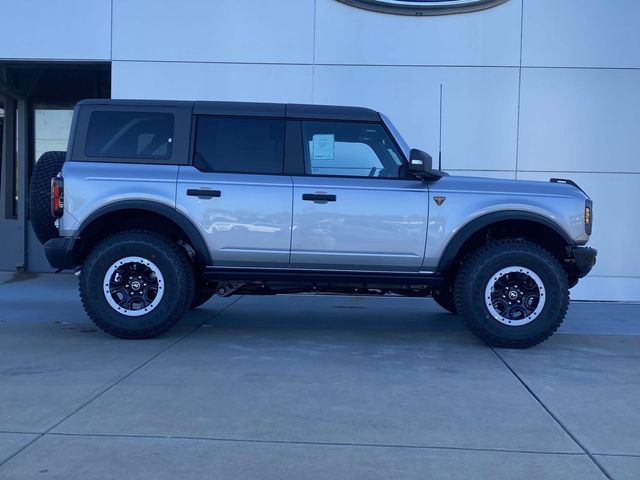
311	387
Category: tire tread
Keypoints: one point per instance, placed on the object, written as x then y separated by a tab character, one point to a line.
471	266
181	264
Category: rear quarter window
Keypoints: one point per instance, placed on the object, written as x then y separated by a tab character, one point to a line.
130	135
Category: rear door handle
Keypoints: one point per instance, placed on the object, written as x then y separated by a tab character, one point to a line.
203	193
318	197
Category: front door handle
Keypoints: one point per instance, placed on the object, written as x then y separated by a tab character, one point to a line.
319	197
203	193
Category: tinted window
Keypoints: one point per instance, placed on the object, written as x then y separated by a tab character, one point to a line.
130	135
349	149
240	145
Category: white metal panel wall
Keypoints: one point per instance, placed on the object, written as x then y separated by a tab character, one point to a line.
212	81
55	30
479	118
251	31
346	35
532	88
581	33
585	120
579	118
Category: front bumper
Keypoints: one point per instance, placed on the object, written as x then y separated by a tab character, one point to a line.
60	252
585	259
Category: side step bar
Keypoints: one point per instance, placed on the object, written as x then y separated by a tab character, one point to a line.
321	277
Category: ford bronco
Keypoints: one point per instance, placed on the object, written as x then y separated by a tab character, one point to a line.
158	205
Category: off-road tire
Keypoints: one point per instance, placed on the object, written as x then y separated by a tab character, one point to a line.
444	297
47	167
172	261
475	273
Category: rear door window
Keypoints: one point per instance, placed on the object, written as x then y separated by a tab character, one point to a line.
144	135
240	145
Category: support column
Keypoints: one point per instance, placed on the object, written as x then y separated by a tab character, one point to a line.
8	155
23	179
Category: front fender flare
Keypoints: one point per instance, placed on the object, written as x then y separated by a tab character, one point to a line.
459	239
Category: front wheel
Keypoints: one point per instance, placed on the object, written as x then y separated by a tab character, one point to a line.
136	284
512	293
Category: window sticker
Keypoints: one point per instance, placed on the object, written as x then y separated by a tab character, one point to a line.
323	146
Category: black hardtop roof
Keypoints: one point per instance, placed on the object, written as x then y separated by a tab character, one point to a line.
254	109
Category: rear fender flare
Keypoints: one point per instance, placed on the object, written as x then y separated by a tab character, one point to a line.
202	255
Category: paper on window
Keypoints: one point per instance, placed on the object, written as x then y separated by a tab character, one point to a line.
323	146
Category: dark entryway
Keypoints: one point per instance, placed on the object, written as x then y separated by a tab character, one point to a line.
36	105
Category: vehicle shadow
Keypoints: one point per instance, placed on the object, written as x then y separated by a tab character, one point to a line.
330	312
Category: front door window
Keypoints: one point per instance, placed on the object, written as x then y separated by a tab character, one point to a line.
350	149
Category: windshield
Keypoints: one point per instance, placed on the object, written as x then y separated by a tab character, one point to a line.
396	134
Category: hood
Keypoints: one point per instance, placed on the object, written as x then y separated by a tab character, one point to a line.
510	187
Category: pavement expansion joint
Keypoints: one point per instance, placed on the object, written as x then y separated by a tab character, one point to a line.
555	417
117	382
316	443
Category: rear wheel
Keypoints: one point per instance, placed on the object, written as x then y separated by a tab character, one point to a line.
136	284
512	293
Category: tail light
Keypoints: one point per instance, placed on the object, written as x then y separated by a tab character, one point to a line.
588	217
57	196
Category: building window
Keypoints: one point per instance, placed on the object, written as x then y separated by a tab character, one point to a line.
51	129
240	145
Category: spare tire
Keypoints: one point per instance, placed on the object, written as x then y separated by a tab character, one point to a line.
47	167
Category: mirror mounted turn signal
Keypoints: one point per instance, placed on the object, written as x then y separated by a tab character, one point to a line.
421	165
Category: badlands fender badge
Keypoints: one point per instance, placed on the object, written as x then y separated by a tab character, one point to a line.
423	7
439	200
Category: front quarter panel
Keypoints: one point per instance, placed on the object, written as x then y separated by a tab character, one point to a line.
468	198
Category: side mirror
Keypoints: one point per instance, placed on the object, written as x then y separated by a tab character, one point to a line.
419	162
421	165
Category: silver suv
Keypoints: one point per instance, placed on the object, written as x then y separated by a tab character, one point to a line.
159	205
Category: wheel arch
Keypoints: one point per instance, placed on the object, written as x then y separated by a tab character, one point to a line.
505	224
161	218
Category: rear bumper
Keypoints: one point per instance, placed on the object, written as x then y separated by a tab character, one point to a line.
60	252
585	259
